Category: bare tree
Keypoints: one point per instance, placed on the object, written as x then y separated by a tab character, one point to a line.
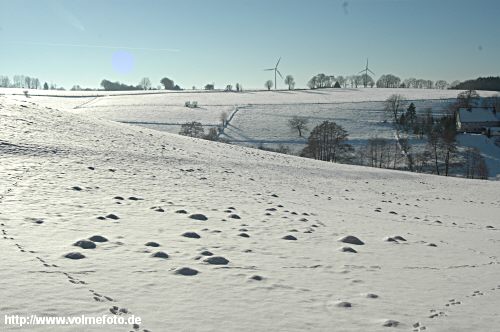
223	118
394	105
27	81
313	82
4	81
36	83
145	83
18	81
269	84
410	83
367	80
377	152
327	142
474	165
422	160
290	81
350	79
388	81
433	146
298	123
358	80
321	81
342	81
441	143
449	147
468	99
192	129
406	147
441	84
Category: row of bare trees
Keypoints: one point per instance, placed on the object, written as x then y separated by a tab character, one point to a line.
441	151
418	83
21	81
393	81
321	81
385	153
330	81
385	81
379	152
424	143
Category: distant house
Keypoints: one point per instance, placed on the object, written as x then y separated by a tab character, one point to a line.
477	119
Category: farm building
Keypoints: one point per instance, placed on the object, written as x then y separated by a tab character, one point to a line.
477	119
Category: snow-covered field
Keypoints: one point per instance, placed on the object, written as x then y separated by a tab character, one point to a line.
218	97
259	116
490	150
68	176
268	124
255	117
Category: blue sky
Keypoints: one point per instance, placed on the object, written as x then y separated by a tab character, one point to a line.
195	42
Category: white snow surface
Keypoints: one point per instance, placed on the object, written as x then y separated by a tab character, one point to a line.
255	117
489	147
50	199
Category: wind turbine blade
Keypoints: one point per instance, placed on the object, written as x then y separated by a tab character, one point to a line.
371	72
362	71
268	69
279	73
277	63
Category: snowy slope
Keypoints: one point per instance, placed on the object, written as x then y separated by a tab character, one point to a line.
60	171
255	116
489	150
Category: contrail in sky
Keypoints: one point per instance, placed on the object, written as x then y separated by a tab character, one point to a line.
98	46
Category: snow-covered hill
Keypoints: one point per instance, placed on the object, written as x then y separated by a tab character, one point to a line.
255	117
268	255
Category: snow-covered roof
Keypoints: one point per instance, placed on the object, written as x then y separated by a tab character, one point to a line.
477	114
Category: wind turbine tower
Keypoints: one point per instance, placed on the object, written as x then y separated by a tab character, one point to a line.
365	76
276	71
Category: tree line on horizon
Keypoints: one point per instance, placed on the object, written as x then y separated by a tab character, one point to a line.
482	83
318	81
144	84
24	82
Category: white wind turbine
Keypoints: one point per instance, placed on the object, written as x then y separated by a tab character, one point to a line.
365	76
276	71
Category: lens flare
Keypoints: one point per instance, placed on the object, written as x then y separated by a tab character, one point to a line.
123	62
